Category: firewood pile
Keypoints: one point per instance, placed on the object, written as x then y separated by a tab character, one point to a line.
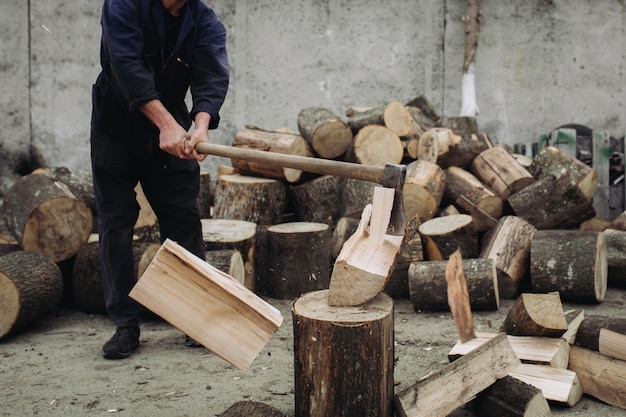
525	228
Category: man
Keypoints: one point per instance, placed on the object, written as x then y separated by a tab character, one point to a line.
152	52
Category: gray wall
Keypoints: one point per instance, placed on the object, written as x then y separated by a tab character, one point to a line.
540	64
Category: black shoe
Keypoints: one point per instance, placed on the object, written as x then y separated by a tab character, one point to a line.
189	342
122	344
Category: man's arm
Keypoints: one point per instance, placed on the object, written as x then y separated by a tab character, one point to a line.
172	136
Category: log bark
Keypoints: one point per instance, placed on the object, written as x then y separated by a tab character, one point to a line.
548	351
425	106
500	171
600	376
252	199
269	141
252	409
228	261
393	115
424	188
435	143
552	203
442	236
327	135
551	162
513	398
208	305
572	262
358	342
536	315
375	145
615	257
427	285
31	287
441	392
46	217
508	245
606	335
458	298
316	200
356	195
469	194
365	263
462	153
298	260
239	235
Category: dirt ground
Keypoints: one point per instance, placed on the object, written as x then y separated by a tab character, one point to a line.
56	369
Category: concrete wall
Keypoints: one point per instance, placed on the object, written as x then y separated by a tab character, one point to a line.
540	64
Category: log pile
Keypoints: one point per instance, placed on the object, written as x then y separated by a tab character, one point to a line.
522	229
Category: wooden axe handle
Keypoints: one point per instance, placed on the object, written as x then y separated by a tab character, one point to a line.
303	163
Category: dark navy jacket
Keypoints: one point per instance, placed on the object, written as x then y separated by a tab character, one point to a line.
135	70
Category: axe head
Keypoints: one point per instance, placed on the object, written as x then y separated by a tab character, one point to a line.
394	176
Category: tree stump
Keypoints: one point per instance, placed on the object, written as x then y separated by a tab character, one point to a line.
46	217
572	262
499	170
31	286
252	199
228	261
87	278
343	357
251	409
442	236
508	244
424	189
239	235
326	133
298	260
536	315
267	141
375	145
315	201
552	162
469	194
428	286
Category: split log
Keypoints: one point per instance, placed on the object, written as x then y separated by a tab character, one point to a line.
239	235
573	319
497	169
536	315
316	200
364	265
458	298
252	199
619	222
600	376
442	236
208	305
358	342
356	195
595	224
513	398
268	141
410	251
346	226
298	260
251	409
376	146
549	351
46	217
427	285
423	191
468	193
421	124
393	115
441	392
327	135
462	153
556	384
552	203
425	106
435	143
31	287
572	262
508	244
606	335
228	261
552	162
616	256
87	278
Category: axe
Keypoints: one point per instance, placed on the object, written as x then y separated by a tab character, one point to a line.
389	176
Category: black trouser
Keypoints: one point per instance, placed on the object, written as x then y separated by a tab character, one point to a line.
171	186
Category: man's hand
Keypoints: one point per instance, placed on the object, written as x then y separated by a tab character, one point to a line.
199	134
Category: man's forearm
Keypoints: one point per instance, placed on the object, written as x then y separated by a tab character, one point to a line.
158	114
202	120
